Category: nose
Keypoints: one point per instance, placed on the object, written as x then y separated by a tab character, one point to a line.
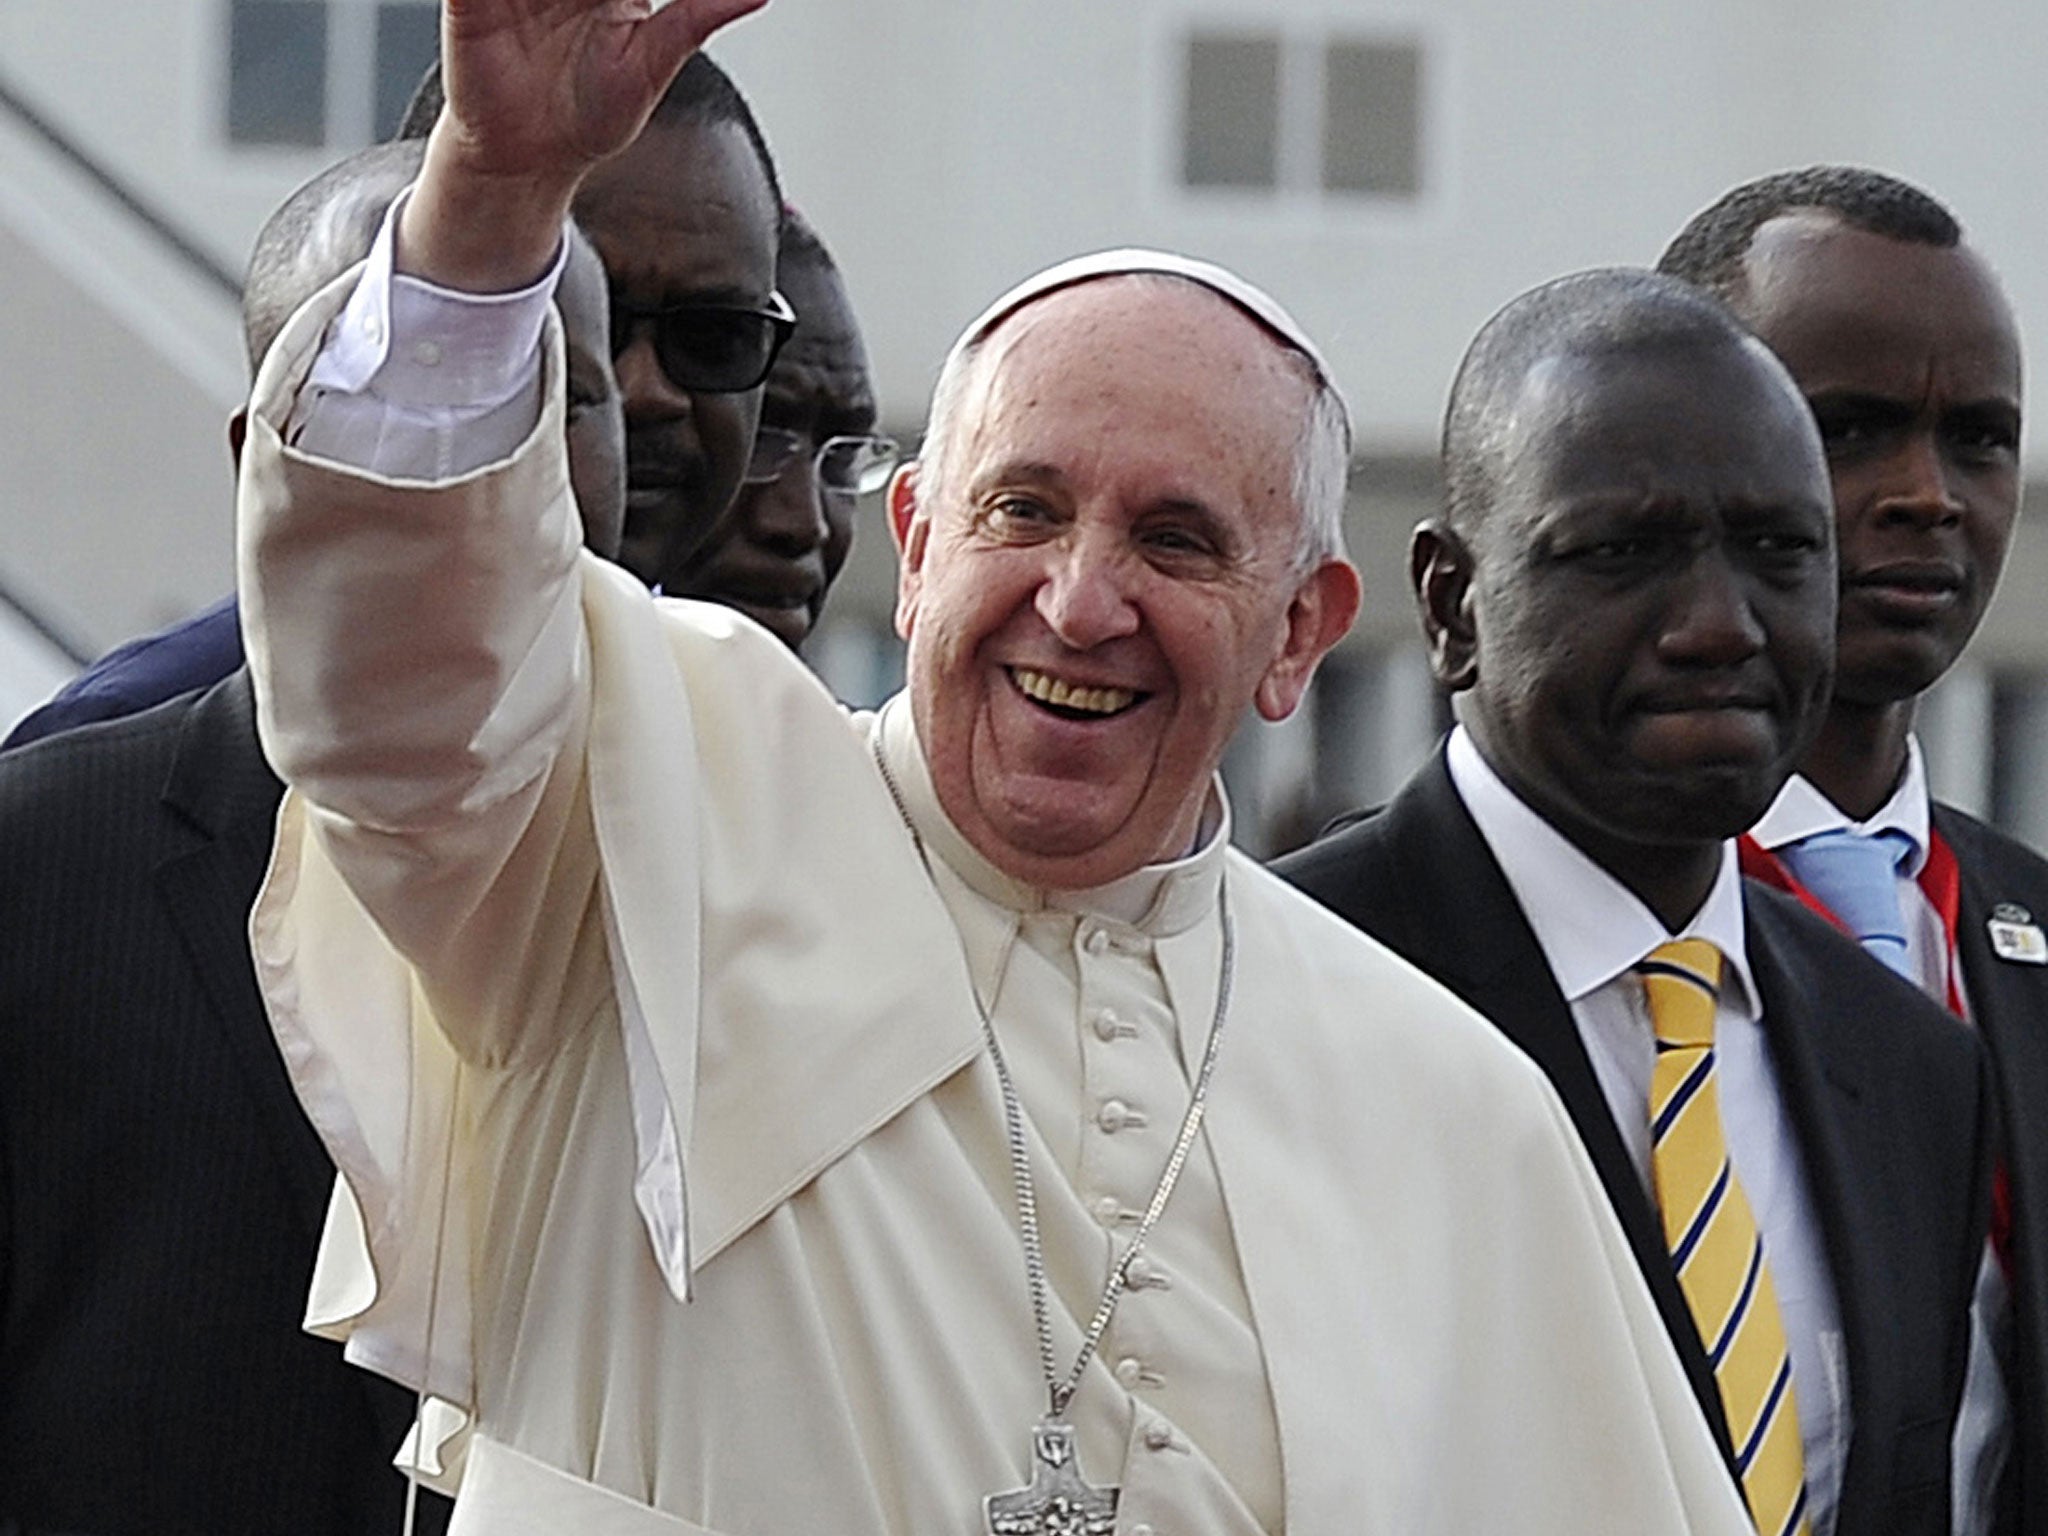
645	390
1084	598
1711	621
1917	490
787	514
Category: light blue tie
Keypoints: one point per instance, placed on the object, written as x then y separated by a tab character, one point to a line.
1856	876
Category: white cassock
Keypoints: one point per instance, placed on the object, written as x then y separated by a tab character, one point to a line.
685	1007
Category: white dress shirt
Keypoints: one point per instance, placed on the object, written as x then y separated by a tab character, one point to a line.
1801	810
460	390
1592	931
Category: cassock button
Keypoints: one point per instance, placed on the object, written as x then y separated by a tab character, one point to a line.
1143	1272
1158	1437
1108	1210
1095	942
1130	1372
427	354
1113	1116
1107	1025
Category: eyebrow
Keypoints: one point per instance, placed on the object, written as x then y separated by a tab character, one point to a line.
1031	471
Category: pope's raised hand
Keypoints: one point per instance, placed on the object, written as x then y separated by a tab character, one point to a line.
538	92
550	87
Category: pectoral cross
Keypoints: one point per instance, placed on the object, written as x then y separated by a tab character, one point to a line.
1058	1502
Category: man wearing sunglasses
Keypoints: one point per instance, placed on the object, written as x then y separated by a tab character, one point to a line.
686	220
682	219
781	545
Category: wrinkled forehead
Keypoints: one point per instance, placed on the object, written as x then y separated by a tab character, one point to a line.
1245	297
1128	349
1707	419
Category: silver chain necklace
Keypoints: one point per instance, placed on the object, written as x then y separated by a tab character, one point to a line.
1059	1501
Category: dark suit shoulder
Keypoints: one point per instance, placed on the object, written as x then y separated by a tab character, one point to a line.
85	788
1413	874
188	656
1327	867
1984	850
116	745
1836	977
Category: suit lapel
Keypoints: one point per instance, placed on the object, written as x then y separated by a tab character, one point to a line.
1471	935
222	793
1822	1086
2008	1003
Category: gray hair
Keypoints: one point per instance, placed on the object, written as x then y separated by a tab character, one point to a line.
1322	453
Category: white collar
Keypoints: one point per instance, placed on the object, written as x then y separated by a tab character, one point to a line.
1159	900
1590	927
1801	810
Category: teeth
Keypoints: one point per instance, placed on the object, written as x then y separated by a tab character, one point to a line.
1053	690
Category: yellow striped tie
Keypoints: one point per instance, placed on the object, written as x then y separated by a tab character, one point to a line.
1715	1245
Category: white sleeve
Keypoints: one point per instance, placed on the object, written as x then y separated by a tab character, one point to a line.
419	662
420	382
1983	1437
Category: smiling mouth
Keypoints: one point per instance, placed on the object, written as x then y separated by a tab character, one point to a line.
1068	701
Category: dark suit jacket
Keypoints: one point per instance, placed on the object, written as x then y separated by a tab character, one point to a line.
2009	1005
141	674
160	1191
1886	1093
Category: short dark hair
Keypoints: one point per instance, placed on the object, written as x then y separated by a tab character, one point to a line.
700	93
798	241
1607	310
1710	249
318	233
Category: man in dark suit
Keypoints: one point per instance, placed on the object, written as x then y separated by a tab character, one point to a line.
1631	592
161	1194
1897	333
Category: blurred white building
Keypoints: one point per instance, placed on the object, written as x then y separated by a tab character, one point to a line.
1394	171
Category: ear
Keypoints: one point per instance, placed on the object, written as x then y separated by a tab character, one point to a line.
1440	570
910	526
238	434
1318	616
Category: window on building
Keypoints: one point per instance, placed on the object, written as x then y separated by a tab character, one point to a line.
332	74
1233	115
408	40
277	72
1318	113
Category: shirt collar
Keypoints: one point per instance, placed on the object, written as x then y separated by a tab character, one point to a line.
1801	810
1590	927
1158	900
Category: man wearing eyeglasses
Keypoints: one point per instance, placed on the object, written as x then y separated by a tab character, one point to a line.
776	553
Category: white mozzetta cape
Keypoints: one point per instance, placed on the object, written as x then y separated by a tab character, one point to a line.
610	975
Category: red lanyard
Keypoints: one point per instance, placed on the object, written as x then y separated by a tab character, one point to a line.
1941	882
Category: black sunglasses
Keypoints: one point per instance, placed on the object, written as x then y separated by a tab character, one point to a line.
720	349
